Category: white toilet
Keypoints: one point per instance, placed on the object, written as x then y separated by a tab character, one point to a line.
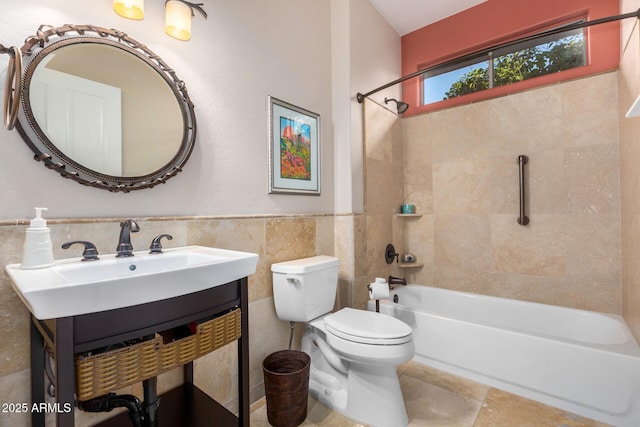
354	353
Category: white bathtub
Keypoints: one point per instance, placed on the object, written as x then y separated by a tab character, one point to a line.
583	362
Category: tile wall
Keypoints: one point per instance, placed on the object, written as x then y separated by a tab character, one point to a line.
461	172
629	90
275	239
383	182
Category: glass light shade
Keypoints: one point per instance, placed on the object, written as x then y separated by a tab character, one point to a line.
177	22
132	9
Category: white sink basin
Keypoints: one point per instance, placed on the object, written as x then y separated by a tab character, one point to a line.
72	287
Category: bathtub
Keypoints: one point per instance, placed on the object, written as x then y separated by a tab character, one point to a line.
583	362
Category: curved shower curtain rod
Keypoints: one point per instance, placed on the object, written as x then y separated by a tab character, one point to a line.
360	97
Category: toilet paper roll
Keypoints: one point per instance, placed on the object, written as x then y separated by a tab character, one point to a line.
379	289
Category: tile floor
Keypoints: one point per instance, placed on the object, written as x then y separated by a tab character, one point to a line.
435	398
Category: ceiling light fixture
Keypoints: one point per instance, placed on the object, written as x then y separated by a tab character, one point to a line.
177	16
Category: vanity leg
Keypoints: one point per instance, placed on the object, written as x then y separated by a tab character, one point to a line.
243	356
37	373
64	372
151	401
188	373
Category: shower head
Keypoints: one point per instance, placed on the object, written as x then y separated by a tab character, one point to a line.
401	106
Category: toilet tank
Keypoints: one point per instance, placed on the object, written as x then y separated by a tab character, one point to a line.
304	289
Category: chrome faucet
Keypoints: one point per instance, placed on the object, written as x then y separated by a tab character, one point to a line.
125	248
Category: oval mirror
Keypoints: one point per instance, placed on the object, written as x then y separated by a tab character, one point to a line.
102	109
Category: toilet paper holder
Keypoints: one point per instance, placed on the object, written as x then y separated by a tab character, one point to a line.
377	301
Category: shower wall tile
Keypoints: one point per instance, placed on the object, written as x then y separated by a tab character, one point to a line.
379	234
384	193
380	131
537	249
419	238
360	245
593	109
417	141
629	129
460	278
630	166
544	289
462	241
569	254
547	186
525	122
593	179
418	188
383	160
593	247
398	233
460	134
631	272
462	187
360	292
504	199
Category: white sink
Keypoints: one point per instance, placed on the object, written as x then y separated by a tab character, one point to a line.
72	287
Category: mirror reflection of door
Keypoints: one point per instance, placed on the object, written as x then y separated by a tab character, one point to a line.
84	117
102	109
152	125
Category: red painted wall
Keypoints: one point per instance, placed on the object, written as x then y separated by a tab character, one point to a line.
497	21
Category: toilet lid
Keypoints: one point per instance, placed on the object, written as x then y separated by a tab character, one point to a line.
367	327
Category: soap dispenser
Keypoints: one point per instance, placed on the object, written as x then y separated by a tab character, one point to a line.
38	251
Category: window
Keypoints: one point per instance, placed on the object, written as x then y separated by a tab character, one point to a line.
507	65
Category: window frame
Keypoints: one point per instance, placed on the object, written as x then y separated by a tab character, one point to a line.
489	56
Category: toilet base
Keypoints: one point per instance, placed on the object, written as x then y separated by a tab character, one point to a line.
365	393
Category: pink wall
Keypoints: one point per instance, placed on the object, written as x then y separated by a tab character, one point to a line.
497	21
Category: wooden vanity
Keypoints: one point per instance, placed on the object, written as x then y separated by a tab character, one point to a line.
187	405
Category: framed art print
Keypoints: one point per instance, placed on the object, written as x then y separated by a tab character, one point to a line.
294	149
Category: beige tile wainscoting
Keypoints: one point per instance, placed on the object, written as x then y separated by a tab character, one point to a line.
273	238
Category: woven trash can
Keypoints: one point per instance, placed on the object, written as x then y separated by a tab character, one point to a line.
286	386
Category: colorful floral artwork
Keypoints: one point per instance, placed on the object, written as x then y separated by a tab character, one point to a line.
295	149
294	146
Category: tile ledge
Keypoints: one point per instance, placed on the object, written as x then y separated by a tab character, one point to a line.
10	222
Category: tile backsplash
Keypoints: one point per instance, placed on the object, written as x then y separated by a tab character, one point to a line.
273	238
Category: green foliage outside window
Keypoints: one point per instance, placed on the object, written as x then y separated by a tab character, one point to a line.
535	61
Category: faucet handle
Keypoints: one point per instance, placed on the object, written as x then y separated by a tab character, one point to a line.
156	246
90	252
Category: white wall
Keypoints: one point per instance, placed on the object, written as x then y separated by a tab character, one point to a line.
366	55
243	52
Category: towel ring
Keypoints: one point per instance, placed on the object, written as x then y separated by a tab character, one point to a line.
12	87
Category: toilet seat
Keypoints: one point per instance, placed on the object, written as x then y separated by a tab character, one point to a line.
367	327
